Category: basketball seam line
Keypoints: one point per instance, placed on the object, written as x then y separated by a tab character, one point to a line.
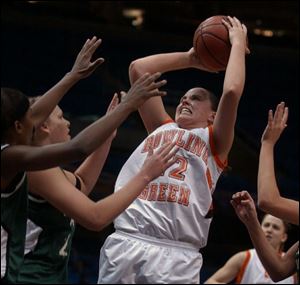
213	35
210	52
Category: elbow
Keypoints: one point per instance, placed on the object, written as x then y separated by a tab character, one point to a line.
96	226
276	279
263	204
93	224
277	276
233	91
95	221
135	70
134	66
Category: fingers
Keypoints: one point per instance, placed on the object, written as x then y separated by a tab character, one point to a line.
170	162
168	153
233	203
122	95
84	46
150	152
245	194
165	148
148	80
237	197
142	78
113	103
157	93
244	28
270	117
232	22
88	44
157	85
285	116
281	115
152	77
278	112
237	22
246	203
96	63
226	24
93	47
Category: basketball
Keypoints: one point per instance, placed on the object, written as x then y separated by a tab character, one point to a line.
211	43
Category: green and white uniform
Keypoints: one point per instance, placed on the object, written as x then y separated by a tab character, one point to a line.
48	244
13	226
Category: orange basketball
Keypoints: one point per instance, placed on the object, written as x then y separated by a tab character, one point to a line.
211	43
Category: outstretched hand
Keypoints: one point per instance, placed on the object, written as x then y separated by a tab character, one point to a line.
237	32
83	67
276	124
244	207
157	162
143	89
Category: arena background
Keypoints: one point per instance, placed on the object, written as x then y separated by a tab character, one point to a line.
40	40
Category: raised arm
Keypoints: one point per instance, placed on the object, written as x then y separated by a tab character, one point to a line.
224	122
90	169
152	111
37	158
82	68
269	198
278	267
96	215
229	271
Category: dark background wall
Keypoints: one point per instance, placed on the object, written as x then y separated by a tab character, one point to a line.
40	41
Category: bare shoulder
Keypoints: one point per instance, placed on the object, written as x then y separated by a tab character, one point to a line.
241	256
47	180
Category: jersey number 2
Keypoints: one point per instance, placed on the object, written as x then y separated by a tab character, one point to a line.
178	172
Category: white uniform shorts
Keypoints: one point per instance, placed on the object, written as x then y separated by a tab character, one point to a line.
141	259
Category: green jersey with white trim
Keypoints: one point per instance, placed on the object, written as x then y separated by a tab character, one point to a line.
48	244
13	226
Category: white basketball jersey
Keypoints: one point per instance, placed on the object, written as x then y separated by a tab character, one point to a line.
175	205
253	272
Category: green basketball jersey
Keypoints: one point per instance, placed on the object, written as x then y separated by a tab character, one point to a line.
13	226
48	244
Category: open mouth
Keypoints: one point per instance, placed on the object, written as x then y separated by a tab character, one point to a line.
185	110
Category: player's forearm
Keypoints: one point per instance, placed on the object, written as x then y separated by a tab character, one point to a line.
90	170
267	187
159	63
112	206
213	281
234	80
43	107
267	255
97	133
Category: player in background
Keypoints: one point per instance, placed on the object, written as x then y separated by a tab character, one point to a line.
278	267
158	237
269	198
245	266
